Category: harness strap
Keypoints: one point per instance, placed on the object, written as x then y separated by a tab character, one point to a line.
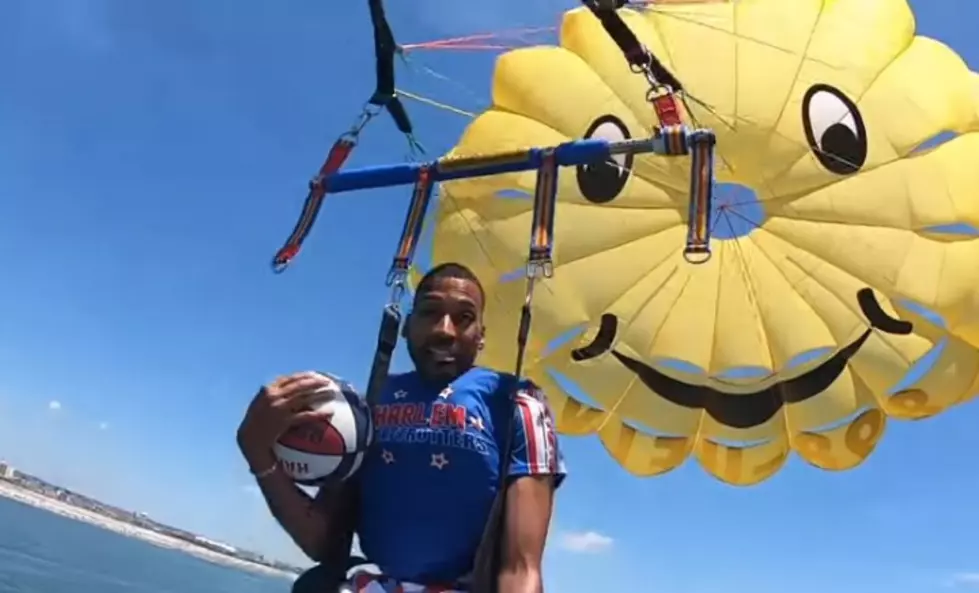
542	226
663	85
385	49
391	318
662	95
539	264
384	97
697	250
411	231
664	104
640	58
387	339
336	567
338	155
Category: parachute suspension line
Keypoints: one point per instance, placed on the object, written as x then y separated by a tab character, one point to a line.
489	41
437	104
467	46
385	97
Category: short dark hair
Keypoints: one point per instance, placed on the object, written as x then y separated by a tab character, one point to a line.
448	270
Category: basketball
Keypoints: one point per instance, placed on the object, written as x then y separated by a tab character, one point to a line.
322	451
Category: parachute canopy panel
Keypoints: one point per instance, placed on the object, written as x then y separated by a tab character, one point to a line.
805	330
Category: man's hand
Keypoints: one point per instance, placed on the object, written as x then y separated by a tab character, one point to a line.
279	405
320	527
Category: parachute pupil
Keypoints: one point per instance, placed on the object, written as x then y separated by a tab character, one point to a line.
842	147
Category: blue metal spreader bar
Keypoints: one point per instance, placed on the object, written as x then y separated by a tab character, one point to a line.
568	154
668	141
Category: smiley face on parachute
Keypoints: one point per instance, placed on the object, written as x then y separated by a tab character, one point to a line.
830	224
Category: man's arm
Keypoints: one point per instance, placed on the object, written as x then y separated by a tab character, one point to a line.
536	470
320	525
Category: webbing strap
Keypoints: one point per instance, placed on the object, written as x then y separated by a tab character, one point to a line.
391	317
662	84
331	573
335	159
539	264
662	95
411	231
542	227
697	249
385	49
640	58
666	109
484	574
387	340
674	140
384	97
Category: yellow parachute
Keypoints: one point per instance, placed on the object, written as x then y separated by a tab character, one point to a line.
819	107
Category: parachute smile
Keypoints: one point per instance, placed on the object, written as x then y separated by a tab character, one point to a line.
746	410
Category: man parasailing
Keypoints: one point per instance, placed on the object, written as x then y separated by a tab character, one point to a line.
425	516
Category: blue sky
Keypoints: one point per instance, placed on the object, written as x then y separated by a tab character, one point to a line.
152	157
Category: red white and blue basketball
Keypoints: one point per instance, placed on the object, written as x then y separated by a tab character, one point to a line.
322	451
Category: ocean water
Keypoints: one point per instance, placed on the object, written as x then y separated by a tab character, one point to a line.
41	552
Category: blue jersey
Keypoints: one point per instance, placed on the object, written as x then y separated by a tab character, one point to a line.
432	476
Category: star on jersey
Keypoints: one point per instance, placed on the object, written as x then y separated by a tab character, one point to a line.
387	456
445	393
477	423
439	460
400	394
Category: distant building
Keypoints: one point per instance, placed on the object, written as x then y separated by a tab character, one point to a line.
210	543
7	471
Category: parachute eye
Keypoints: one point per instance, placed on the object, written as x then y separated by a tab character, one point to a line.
834	129
600	183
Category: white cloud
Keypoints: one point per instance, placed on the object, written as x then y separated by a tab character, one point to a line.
965	580
54	405
585	542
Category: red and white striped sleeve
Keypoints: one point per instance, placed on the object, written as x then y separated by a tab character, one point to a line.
535	445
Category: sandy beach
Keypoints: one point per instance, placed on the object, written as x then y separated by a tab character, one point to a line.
34	499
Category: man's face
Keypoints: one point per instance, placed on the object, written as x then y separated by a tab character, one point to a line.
445	328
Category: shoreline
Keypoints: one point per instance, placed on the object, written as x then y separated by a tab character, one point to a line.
39	501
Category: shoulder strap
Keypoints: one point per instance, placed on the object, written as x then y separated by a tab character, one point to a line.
337	560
